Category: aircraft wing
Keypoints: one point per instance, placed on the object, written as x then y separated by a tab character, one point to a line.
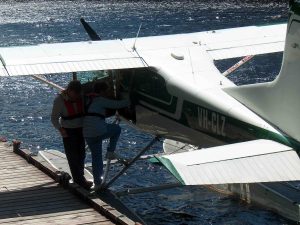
67	57
247	162
118	54
221	44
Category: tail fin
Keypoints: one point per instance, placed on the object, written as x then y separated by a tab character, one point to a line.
279	101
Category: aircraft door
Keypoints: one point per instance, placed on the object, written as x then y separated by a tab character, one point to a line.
124	90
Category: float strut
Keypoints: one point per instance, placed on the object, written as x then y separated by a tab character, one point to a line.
126	167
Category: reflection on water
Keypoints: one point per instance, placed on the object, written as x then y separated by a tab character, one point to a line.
26	104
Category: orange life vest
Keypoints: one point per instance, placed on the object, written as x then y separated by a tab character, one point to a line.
72	112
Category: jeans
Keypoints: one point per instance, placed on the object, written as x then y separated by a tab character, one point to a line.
75	151
95	145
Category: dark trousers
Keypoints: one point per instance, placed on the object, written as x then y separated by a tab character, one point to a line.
75	151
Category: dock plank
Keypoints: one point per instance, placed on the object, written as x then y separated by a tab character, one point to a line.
28	218
20	175
16	178
78	218
37	210
29	196
25	184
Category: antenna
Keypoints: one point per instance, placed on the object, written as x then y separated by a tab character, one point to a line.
191	62
137	35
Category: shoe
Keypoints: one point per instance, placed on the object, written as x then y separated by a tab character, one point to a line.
87	185
113	155
120	159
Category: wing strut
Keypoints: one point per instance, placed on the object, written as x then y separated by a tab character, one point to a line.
131	162
44	80
237	65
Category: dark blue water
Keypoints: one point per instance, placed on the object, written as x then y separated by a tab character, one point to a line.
26	104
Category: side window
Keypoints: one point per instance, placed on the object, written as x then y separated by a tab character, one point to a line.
89	76
152	85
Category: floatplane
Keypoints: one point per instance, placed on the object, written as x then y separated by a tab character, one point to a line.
214	132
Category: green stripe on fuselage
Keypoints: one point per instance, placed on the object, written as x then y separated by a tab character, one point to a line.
219	126
225	128
171	108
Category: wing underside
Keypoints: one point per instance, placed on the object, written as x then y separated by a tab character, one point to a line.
67	57
247	162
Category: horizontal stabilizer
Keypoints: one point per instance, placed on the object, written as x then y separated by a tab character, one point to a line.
239	42
247	162
253	49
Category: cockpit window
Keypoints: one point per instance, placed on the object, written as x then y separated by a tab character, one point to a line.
152	84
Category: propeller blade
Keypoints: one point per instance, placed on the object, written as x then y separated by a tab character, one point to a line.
90	31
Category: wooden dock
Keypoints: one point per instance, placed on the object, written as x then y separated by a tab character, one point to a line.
33	193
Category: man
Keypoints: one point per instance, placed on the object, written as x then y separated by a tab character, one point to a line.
95	129
67	116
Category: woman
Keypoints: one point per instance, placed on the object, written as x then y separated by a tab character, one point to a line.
95	129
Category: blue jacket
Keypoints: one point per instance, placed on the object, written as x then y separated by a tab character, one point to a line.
94	126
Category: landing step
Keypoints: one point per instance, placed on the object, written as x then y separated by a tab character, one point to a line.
58	161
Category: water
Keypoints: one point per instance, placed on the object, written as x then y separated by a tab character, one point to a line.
26	104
